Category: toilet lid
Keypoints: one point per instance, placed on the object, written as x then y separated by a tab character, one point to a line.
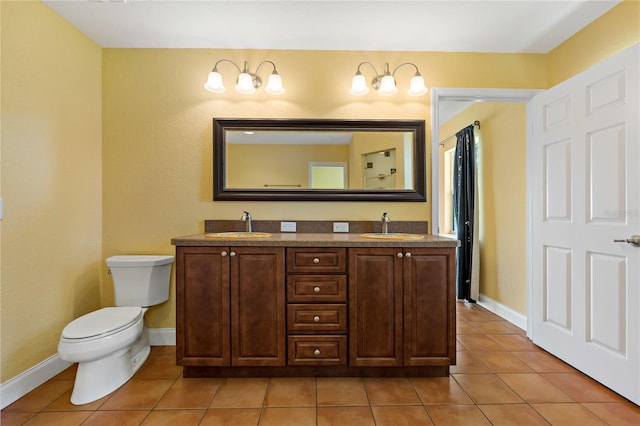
102	321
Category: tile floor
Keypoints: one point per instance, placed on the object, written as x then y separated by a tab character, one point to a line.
500	379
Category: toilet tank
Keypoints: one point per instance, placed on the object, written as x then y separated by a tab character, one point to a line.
140	280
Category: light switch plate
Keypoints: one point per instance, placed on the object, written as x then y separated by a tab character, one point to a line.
340	226
287	227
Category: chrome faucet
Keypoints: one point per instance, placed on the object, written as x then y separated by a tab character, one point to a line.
246	218
385	223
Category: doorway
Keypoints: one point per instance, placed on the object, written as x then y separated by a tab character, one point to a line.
507	264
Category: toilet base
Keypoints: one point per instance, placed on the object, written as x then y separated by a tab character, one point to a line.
98	378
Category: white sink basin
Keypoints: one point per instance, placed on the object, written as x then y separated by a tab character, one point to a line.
238	234
392	236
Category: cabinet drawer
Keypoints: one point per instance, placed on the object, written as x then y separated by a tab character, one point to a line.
317	318
317	350
317	288
316	260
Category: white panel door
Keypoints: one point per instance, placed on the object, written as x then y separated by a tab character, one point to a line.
585	161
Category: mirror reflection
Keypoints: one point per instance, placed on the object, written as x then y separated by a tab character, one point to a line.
319	159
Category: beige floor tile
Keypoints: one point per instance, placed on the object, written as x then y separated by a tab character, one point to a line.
160	366
534	388
467	362
487	389
190	393
116	418
14	419
390	391
479	342
231	417
581	388
64	403
457	415
543	362
514	342
348	391
405	415
440	390
40	397
512	415
343	416
503	362
64	418
463	327
174	417
288	416
240	393
138	394
494	327
570	414
618	414
291	392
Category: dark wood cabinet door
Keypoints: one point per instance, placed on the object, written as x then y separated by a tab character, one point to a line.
258	312
202	306
429	307
375	307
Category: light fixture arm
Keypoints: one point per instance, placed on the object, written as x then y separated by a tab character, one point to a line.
406	63
385	83
247	81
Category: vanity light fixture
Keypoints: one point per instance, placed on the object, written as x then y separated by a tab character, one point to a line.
247	82
385	83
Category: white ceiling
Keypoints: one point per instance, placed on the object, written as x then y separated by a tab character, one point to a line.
515	26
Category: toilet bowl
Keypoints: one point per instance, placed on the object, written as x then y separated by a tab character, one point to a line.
111	344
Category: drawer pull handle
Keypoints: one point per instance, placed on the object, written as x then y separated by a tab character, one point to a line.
224	253
316	289
316	260
316	318
316	352
399	255
233	253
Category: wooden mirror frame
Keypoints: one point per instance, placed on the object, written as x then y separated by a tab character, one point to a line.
222	125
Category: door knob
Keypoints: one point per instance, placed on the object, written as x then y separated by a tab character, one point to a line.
634	240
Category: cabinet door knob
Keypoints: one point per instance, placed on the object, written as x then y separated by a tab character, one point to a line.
224	253
407	254
316	260
316	289
399	254
316	352
316	318
233	253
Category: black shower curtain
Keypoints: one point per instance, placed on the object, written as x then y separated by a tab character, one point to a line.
463	205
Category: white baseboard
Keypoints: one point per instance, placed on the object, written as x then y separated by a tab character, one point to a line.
25	382
162	336
17	387
515	318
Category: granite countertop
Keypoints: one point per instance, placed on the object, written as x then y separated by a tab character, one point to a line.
286	239
315	234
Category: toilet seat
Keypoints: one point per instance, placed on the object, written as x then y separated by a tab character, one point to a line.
101	323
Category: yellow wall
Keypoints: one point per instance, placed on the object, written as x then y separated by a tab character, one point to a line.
255	165
69	205
51	181
502	197
611	33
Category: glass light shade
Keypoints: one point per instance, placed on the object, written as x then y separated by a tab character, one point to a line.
245	83
274	85
387	86
214	83
358	85
417	87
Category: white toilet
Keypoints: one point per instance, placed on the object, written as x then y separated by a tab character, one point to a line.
111	344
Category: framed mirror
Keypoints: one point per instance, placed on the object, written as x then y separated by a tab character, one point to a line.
318	160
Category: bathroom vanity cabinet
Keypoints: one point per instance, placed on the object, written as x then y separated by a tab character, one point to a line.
230	304
313	305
